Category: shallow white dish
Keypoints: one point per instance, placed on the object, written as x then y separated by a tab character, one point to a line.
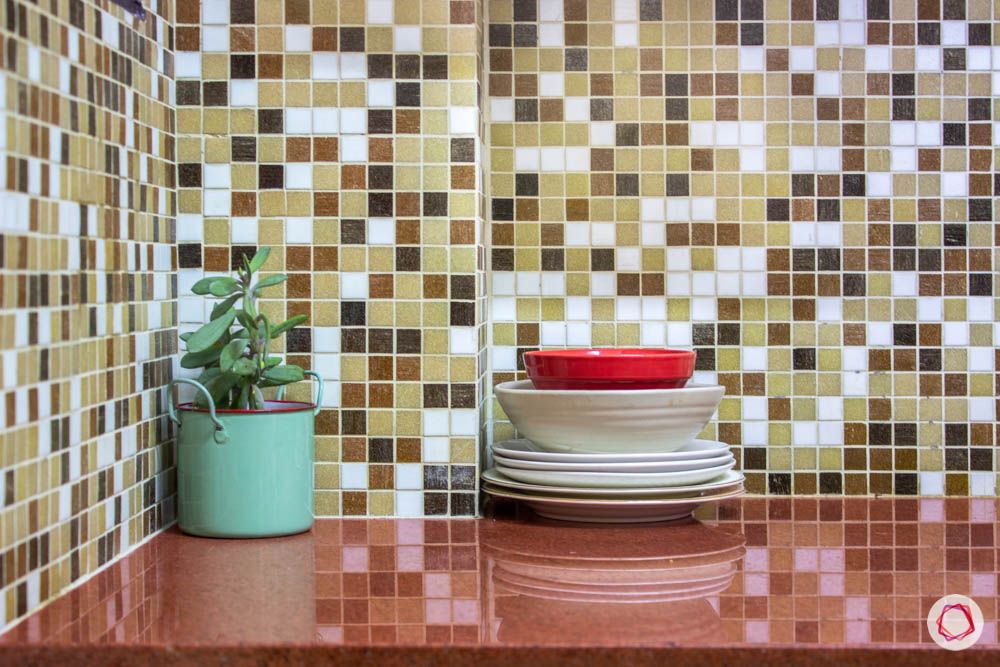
643	420
526	450
635	467
617	480
726	481
605	510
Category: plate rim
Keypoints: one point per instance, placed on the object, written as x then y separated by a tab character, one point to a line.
508	462
612	456
720	470
650	502
591	491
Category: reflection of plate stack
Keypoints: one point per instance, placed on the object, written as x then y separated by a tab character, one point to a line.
585	584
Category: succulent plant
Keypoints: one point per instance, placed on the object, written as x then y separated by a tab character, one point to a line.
233	348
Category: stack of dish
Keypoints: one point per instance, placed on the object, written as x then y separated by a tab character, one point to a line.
609	436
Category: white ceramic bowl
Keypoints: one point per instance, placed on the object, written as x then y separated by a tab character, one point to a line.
641	420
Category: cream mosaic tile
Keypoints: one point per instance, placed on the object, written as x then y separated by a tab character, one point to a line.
803	191
87	290
347	136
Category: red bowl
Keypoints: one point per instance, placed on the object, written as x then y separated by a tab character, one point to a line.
608	368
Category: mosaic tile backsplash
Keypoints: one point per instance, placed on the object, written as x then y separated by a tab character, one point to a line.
805	192
87	289
345	136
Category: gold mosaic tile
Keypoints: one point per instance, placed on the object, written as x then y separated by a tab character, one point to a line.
88	308
347	135
805	189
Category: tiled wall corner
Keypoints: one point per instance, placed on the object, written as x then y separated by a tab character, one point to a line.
804	191
345	135
87	289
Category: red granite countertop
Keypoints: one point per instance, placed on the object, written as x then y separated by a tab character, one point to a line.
805	580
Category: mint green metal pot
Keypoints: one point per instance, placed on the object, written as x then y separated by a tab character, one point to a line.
245	473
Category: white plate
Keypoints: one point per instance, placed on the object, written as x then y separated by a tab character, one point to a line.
617	480
615	421
527	451
651	467
729	479
599	510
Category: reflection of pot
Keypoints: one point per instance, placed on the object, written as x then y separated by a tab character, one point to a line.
234	591
605	585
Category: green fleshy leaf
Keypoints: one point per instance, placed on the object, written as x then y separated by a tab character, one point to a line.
242	402
209	374
244	367
204	286
272	362
206	377
224	286
270	281
283	375
290	323
258	259
206	336
200	359
223	306
219	388
265	340
246	321
186	335
258	398
231	352
250	309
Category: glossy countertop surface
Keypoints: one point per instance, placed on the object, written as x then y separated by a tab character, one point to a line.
754	573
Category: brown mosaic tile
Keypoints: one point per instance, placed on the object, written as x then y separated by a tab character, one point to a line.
88	309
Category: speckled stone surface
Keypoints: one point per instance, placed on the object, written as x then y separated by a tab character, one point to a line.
790	581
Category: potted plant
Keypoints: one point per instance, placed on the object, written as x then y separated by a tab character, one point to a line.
244	463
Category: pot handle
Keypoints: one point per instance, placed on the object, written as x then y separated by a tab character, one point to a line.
319	392
221	436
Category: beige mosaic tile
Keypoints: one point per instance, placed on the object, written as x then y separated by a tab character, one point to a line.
804	191
88	305
347	136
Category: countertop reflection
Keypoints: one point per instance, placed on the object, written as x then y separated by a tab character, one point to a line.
828	573
551	583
